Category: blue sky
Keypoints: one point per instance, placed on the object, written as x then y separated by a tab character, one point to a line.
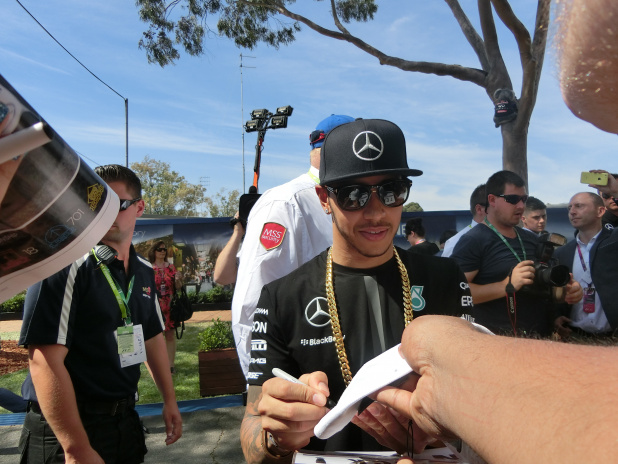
189	114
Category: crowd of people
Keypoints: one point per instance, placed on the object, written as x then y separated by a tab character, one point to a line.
321	289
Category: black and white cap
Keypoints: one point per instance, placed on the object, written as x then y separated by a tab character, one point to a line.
362	148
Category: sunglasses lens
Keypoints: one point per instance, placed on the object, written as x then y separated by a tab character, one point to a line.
514	199
354	197
606	196
394	193
161	249
124	204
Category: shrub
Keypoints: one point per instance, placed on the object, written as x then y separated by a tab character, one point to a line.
14	305
216	294
216	336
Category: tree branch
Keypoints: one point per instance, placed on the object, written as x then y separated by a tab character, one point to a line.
336	18
519	31
532	70
474	39
476	76
498	76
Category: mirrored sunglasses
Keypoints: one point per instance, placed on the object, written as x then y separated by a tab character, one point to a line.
514	199
124	204
391	193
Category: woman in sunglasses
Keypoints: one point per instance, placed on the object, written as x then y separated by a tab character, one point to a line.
168	281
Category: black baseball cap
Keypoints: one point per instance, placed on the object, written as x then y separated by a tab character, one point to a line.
362	148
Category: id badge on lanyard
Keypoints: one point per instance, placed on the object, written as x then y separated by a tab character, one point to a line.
589	299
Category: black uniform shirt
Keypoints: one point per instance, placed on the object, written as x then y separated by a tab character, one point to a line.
76	307
292	331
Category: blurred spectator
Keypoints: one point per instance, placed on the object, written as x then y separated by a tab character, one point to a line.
610	218
415	235
497	258
167	281
478	208
589	258
534	218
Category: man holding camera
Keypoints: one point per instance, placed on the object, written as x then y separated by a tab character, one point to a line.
587	257
498	260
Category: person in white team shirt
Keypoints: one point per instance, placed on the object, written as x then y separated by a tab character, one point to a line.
478	204
286	228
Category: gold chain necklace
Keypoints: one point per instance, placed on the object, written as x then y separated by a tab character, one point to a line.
334	315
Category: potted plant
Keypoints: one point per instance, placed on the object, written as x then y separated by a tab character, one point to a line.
219	368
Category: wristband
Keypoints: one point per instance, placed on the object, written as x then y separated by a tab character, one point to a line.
269	443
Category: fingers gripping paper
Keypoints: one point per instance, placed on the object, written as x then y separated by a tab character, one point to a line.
375	374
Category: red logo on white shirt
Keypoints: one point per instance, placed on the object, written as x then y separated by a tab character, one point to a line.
272	235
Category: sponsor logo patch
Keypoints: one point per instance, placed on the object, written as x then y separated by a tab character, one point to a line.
259	345
95	192
272	235
418	302
316	312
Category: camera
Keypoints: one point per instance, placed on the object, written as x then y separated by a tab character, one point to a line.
547	273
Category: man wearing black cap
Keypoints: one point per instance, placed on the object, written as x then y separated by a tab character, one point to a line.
286	228
350	303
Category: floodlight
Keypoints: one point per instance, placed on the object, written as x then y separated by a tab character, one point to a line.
252	126
260	114
279	122
285	111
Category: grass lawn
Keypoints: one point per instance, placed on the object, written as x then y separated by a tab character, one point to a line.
186	379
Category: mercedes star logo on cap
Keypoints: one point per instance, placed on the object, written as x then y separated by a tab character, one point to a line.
368	148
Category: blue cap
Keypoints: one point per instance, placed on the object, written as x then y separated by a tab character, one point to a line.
316	138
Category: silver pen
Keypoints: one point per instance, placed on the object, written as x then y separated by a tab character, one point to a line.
330	403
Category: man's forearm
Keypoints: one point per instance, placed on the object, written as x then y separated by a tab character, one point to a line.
487	292
56	397
517	400
252	436
159	367
225	267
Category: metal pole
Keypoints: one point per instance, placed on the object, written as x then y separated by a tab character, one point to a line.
242	125
126	121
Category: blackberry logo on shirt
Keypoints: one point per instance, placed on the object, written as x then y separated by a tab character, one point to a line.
418	302
316	312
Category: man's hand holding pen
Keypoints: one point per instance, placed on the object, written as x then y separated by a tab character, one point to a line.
290	410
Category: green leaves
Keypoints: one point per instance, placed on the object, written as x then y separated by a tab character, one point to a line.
216	336
165	192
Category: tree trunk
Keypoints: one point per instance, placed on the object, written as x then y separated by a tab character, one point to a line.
515	148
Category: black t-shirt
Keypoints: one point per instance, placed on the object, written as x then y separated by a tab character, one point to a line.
292	330
482	250
76	307
424	248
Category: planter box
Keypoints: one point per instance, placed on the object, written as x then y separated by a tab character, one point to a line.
223	306
220	373
12	316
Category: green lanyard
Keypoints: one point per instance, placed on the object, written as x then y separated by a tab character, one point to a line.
123	301
521	243
314	178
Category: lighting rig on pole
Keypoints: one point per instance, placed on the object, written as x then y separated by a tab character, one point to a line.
260	122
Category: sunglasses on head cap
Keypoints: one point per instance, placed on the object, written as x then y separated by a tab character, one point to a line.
514	199
316	136
392	193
